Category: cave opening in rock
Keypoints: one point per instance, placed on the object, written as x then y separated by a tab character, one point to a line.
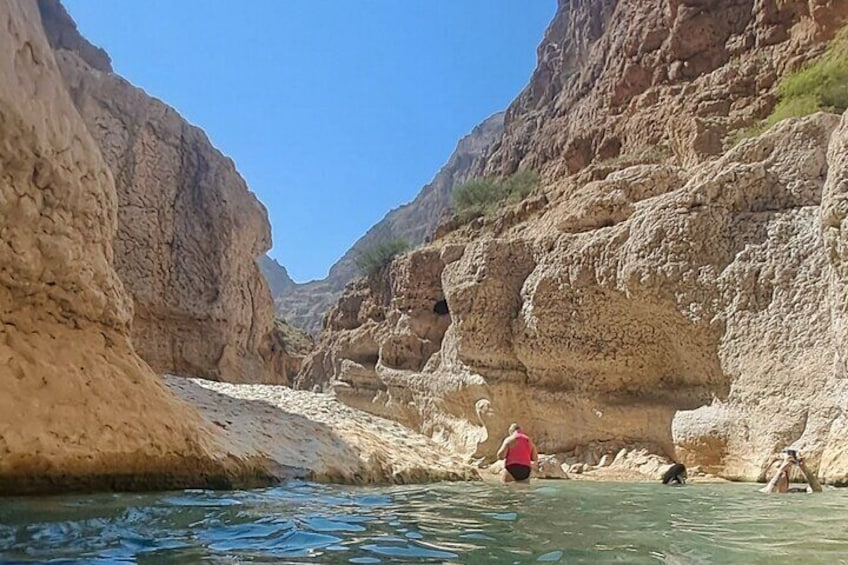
441	307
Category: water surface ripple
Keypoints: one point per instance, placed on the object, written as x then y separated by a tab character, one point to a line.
547	522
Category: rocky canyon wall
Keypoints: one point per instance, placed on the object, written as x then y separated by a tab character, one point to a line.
188	231
691	302
641	81
78	409
696	312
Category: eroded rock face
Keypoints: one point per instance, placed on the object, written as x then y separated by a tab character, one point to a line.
79	409
834	223
691	305
286	348
189	230
696	312
639	81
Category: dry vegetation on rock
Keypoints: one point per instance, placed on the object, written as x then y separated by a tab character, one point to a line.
373	259
820	86
485	196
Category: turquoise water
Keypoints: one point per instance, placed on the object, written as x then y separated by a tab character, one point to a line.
547	522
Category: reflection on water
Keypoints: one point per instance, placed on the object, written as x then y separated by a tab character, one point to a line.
563	522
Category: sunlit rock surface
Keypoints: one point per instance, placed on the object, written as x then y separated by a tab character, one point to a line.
189	230
78	409
663	289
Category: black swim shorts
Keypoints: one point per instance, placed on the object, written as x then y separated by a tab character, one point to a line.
519	472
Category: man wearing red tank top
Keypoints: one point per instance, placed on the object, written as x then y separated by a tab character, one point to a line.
520	454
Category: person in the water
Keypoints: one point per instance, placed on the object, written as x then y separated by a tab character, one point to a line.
520	454
675	476
780	482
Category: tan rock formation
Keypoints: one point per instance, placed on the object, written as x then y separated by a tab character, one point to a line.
695	312
188	227
286	349
637	81
691	304
305	305
834	223
78	408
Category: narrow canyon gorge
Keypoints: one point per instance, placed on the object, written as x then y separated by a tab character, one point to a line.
674	285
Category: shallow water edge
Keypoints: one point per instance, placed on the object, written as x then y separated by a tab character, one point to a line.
546	521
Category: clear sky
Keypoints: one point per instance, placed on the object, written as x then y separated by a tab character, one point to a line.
334	111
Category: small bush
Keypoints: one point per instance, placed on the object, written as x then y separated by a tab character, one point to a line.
479	197
822	85
476	197
519	186
371	260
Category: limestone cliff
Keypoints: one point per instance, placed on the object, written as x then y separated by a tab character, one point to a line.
690	301
78	409
639	81
304	305
189	230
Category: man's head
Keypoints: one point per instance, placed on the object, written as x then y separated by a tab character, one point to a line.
676	474
514	428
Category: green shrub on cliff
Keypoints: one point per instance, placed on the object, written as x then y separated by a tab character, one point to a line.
476	197
822	85
483	196
519	186
378	256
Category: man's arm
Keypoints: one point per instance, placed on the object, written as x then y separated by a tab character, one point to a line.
772	484
812	480
507	442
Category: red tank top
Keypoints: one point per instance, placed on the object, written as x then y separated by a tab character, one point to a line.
519	452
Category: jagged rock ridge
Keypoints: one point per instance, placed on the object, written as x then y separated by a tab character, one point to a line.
277	276
640	81
304	305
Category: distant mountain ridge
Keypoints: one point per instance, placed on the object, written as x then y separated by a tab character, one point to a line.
304	305
277	276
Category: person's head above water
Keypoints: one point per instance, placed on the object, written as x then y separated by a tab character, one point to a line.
676	475
514	427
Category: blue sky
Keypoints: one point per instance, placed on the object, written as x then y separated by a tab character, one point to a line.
334	111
